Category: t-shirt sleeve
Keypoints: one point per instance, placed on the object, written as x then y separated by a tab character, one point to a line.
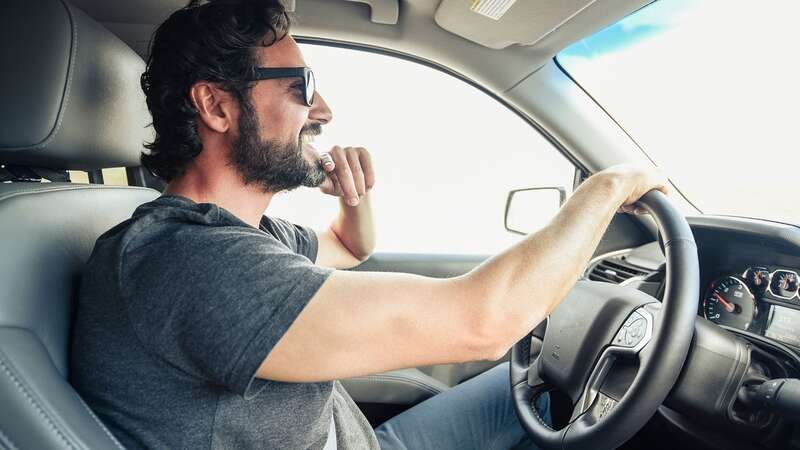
301	239
213	302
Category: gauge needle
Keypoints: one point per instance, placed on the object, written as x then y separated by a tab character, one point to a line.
728	305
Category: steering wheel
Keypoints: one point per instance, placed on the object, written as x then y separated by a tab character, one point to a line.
615	351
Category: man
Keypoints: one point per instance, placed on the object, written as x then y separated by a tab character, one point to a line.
204	324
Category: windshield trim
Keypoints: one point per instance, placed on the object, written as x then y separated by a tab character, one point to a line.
630	136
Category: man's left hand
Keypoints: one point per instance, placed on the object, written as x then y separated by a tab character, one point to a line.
350	174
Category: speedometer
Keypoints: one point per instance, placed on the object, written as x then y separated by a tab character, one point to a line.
730	302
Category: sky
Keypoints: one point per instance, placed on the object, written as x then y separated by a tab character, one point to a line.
709	91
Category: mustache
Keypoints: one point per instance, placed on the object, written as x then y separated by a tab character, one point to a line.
314	129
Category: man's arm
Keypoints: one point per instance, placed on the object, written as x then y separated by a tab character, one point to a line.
351	237
361	323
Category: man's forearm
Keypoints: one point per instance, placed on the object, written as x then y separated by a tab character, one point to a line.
521	285
355	228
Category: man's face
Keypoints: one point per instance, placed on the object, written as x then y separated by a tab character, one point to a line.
272	148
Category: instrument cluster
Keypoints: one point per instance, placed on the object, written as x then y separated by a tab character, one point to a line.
761	300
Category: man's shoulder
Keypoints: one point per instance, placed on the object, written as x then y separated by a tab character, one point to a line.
163	235
300	239
167	224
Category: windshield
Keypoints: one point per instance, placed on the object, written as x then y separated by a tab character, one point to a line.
709	90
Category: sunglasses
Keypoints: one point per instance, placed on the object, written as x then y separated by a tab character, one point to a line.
309	83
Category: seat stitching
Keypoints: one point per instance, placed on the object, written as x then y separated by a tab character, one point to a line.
103	427
541	421
401	379
70	73
5	440
538	417
28	396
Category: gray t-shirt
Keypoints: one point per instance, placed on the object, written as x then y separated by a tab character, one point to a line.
178	307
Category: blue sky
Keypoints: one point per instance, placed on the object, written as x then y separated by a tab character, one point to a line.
647	22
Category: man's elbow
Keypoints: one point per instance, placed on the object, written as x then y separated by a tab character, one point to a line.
355	260
362	256
487	332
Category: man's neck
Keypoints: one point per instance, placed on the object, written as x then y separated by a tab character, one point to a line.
248	203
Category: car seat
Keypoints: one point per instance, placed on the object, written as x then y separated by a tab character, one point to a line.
70	101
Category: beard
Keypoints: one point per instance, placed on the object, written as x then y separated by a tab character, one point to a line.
272	165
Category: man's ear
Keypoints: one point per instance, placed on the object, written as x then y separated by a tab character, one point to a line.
212	105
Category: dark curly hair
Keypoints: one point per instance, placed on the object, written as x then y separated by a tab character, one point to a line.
208	40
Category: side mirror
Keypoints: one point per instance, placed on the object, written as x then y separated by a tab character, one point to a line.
528	210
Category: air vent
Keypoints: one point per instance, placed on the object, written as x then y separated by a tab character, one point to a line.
614	270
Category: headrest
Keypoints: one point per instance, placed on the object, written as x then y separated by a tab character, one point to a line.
70	91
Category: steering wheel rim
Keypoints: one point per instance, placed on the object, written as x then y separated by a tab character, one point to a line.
661	354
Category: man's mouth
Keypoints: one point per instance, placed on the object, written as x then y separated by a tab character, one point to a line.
309	132
307	138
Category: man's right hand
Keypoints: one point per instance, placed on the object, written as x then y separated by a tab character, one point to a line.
635	181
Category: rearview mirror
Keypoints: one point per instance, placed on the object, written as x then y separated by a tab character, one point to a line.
529	210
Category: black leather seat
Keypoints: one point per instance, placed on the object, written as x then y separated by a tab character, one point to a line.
70	100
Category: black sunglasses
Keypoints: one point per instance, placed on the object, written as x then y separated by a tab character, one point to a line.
309	83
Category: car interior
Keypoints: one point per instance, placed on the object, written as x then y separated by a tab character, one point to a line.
682	330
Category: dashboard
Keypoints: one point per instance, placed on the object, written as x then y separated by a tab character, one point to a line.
761	299
749	275
750	270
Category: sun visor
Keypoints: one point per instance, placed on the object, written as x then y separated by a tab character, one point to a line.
500	23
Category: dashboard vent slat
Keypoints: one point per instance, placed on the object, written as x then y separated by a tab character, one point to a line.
614	270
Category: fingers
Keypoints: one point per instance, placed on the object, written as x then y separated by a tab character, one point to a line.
350	171
330	185
632	209
366	165
345	176
357	171
327	162
638	180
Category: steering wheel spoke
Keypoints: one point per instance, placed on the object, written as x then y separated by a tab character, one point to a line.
625	348
527	384
525	354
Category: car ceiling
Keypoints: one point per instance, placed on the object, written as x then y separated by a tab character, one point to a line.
497	54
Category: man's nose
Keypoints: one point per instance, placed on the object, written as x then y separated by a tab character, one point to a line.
320	112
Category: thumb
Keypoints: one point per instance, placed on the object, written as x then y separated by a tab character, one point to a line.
327	186
330	185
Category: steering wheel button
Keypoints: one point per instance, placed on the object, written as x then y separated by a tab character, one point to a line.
620	338
637	329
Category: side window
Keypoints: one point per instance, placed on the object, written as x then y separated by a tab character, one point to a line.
445	154
115	176
78	176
